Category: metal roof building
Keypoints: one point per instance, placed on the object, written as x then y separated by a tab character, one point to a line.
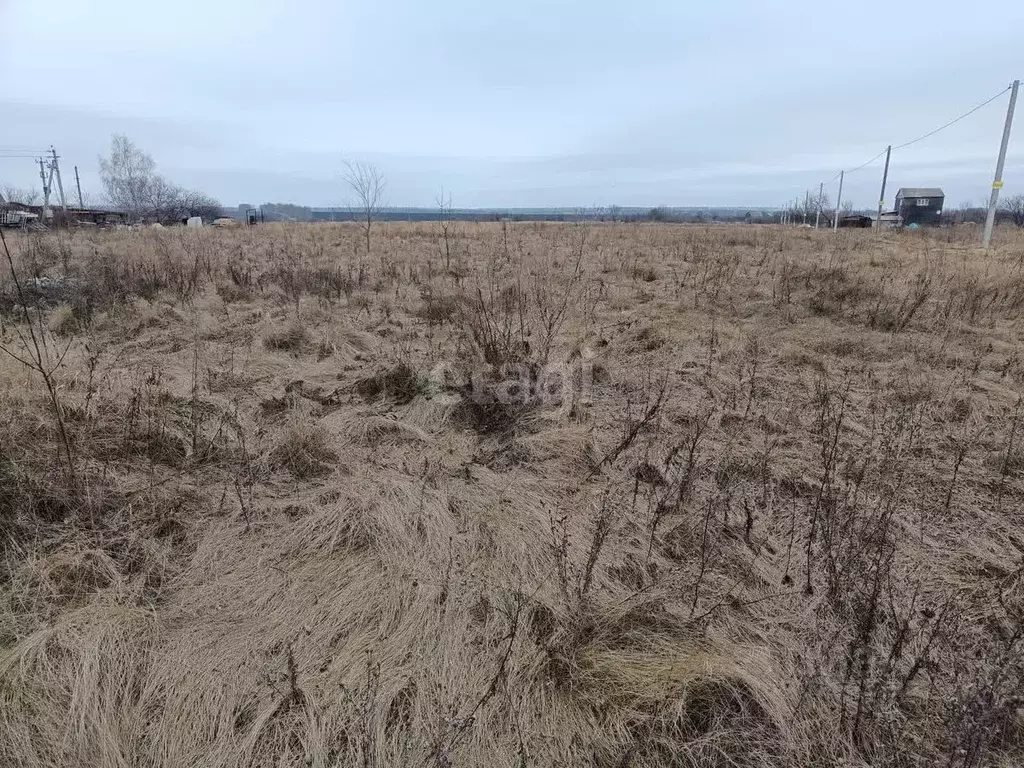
920	205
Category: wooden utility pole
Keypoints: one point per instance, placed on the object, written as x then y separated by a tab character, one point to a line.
885	176
821	194
839	200
79	185
997	183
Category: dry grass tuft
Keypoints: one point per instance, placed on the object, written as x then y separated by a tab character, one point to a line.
63	321
399	383
304	450
292	338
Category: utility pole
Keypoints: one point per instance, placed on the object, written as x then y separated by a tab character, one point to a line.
885	176
997	183
46	191
817	216
839	200
79	185
60	185
807	203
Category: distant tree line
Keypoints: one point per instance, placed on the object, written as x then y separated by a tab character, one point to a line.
708	215
133	186
284	212
25	196
1010	211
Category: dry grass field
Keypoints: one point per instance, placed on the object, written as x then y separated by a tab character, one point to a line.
528	495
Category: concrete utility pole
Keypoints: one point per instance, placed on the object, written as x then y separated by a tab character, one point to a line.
807	203
997	183
55	168
885	176
46	191
839	200
79	185
817	216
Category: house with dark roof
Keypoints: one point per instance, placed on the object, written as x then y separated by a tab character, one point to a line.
920	205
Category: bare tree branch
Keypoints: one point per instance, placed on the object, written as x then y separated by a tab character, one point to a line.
1014	207
368	184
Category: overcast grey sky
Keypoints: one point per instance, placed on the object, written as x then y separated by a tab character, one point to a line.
516	104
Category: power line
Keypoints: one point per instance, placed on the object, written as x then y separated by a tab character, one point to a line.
859	167
931	133
955	120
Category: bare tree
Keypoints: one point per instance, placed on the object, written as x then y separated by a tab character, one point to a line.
961	212
128	175
200	204
26	196
1014	208
966	212
822	203
133	186
368	184
447	225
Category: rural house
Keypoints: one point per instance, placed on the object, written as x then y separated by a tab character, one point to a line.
920	205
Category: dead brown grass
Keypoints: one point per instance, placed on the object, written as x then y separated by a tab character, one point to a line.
625	495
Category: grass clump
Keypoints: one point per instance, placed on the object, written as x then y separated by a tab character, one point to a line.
292	338
399	383
304	449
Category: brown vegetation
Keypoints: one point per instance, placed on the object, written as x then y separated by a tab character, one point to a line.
616	495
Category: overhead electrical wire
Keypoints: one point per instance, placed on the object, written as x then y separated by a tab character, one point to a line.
922	137
859	167
954	120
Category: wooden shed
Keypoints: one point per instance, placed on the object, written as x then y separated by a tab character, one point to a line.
920	205
855	220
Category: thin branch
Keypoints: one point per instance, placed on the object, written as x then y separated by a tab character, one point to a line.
37	363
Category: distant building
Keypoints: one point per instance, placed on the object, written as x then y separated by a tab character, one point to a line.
920	205
98	216
855	221
18	213
890	220
12	217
